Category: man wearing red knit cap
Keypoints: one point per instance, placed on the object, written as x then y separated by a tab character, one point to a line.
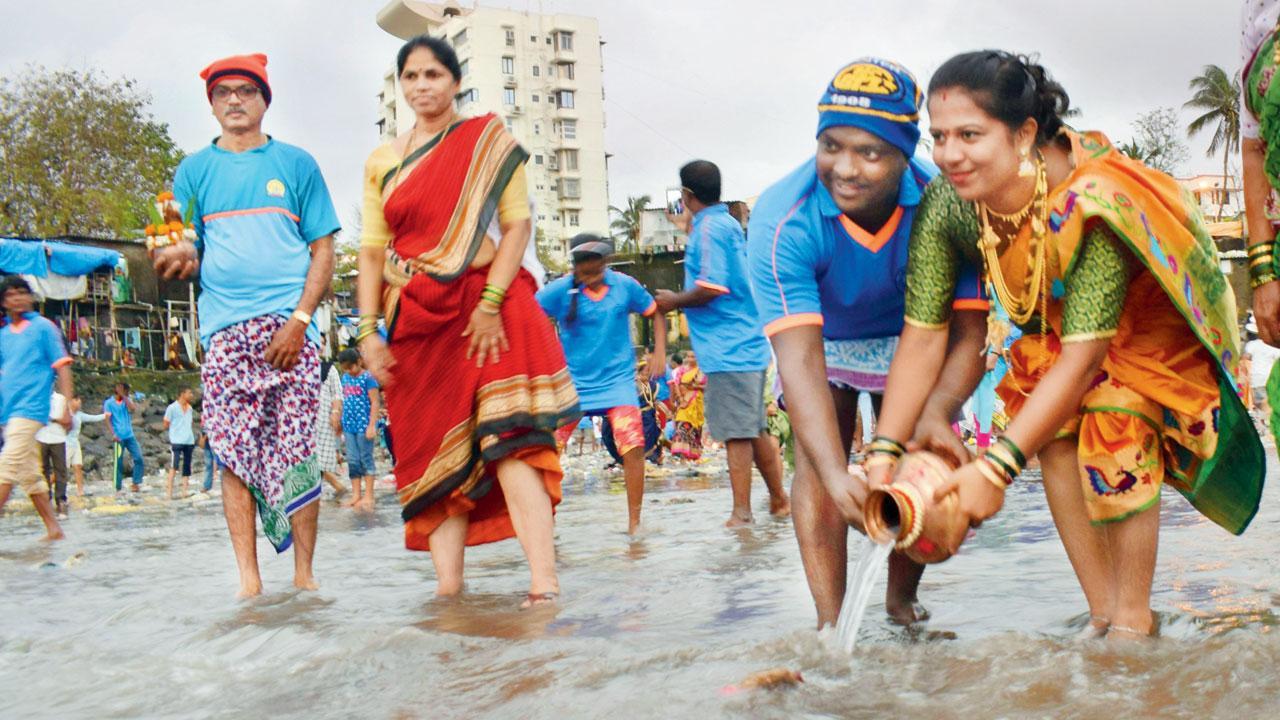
265	226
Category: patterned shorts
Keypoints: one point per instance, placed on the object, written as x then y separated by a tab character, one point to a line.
260	420
628	428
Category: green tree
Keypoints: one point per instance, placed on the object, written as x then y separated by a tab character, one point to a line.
80	154
1217	96
550	259
627	223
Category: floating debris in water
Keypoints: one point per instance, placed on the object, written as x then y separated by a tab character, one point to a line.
766	680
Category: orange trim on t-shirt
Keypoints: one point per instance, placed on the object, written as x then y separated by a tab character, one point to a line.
866	239
792	321
252	211
653	308
971	304
712	286
18	327
62	363
596	295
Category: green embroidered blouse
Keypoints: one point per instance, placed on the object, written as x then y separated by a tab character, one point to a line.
945	235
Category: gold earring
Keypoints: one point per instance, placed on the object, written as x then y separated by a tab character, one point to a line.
1026	168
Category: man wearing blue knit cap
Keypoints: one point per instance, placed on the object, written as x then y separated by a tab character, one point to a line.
827	250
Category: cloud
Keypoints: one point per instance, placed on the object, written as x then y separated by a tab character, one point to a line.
734	82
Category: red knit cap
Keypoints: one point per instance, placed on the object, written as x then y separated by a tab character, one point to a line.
245	67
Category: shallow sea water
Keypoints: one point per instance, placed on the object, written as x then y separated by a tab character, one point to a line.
134	616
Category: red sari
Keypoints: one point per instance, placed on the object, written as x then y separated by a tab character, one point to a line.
451	421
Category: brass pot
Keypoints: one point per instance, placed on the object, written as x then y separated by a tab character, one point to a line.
904	513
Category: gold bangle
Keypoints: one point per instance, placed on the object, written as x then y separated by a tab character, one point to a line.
990	473
879	459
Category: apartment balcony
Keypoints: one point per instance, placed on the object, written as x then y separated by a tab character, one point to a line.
560	143
508	81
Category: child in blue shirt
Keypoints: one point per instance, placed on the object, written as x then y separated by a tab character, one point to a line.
360	410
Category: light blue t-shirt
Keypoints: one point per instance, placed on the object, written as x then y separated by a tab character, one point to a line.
180	432
726	332
117	411
257	212
597	344
356	406
30	352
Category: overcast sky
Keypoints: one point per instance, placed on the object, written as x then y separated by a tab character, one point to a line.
734	81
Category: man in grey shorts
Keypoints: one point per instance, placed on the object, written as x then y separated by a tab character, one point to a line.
727	336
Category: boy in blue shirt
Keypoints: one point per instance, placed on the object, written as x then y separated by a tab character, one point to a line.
119	411
360	409
592	307
182	438
31	355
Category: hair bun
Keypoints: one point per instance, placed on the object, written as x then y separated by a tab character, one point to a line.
1051	100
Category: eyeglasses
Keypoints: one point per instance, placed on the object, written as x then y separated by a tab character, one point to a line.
244	92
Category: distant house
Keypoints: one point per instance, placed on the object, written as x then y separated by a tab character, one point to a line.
1219	198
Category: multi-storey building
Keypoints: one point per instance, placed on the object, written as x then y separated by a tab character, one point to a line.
543	75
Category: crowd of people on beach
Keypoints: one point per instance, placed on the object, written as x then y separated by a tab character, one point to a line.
1015	258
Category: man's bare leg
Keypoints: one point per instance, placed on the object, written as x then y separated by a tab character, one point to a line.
1085	544
237	506
768	458
168	483
530	508
448	547
304	523
367	502
633	473
822	534
739	453
1133	544
45	507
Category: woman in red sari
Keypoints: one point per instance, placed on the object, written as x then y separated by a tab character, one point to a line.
475	379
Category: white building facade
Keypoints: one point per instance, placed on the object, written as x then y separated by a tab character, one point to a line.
1216	194
543	75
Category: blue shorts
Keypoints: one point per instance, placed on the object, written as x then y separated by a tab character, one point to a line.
359	455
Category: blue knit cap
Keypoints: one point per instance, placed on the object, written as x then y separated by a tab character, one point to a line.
875	95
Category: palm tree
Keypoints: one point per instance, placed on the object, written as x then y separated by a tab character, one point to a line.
1217	95
627	224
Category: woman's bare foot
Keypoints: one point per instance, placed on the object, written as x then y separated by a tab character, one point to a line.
351	502
54	535
737	520
305	583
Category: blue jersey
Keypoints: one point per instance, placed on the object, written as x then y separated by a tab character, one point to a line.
726	332
812	265
256	213
597	344
31	351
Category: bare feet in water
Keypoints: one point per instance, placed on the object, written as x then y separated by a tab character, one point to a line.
305	583
367	503
737	520
251	588
351	502
54	535
907	613
543	598
780	507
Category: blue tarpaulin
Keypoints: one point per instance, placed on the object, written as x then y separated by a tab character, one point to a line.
41	257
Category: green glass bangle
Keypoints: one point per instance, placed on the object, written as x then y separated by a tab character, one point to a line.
1018	456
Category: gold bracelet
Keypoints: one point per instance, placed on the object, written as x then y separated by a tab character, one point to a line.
990	473
879	459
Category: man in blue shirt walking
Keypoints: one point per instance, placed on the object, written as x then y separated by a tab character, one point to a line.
727	337
31	355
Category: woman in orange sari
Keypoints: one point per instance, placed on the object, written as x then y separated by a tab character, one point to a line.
475	379
1124	378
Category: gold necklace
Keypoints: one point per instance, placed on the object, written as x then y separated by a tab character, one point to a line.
1021	306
